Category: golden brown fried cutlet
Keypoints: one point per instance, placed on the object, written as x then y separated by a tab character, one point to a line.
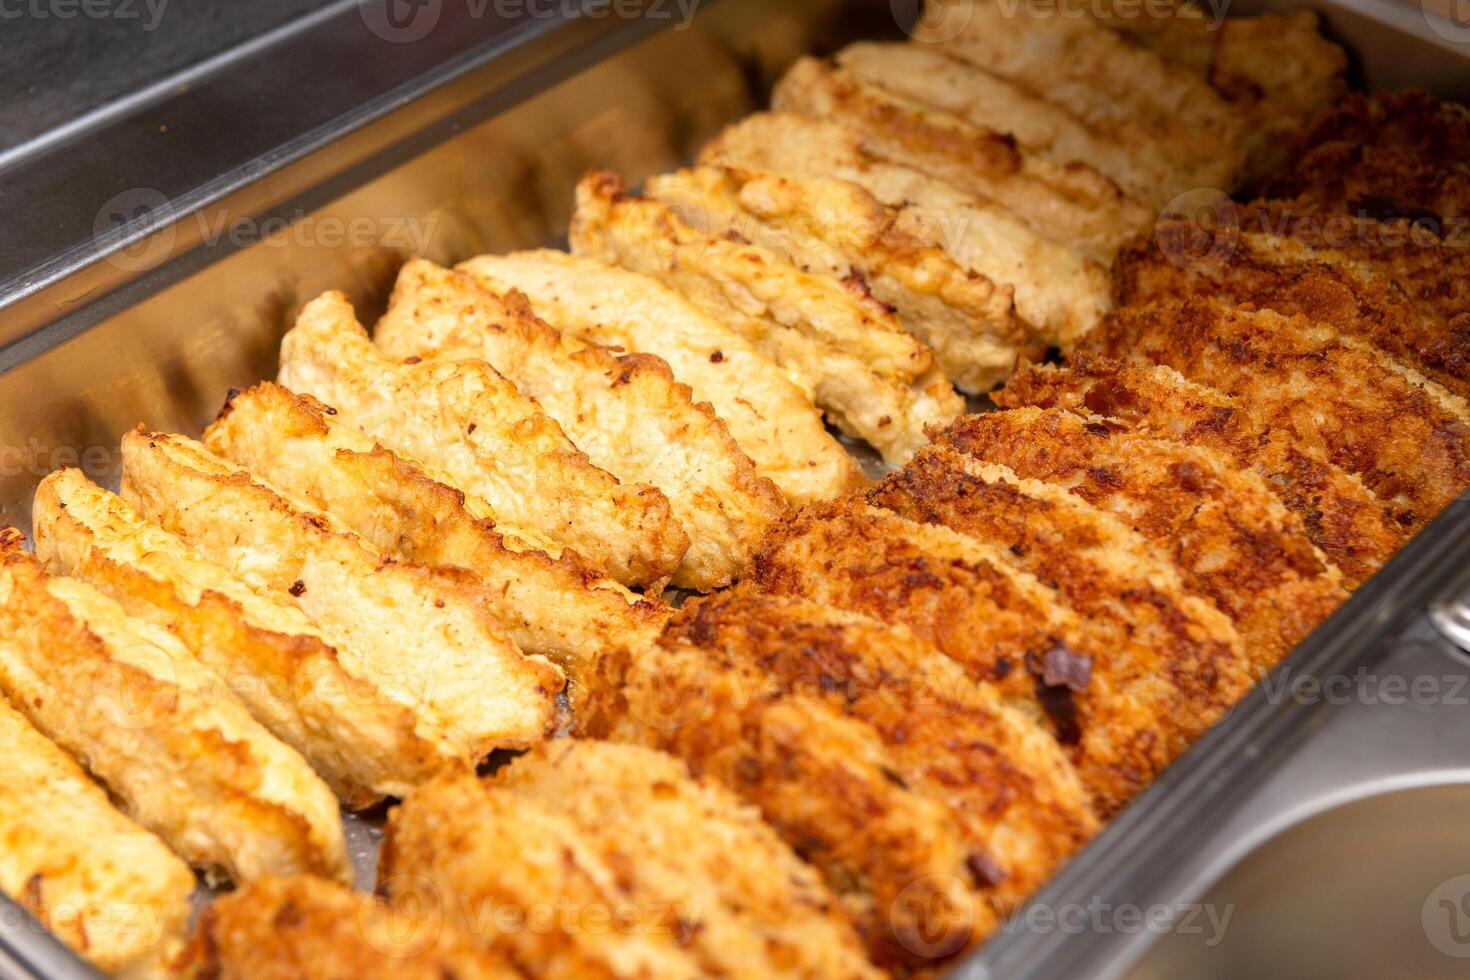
840	230
1232	540
304	928
1402	154
1173	662
563	608
847	732
518	875
102	884
1342	516
1406	437
755	909
1069	203
1357	295
626	412
160	730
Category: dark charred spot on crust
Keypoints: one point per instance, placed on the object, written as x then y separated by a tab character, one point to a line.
895	777
298	588
413	359
984	870
1003	667
329	410
1098	429
230	397
470	430
734	236
624	376
717	357
1191	475
288	916
1062	666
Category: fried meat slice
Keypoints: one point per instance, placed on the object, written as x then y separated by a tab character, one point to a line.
1232	540
103	885
290	676
754	673
1174	663
1137	161
517	874
1354	293
561	608
1069	203
1096	74
839	230
159	730
627	412
770	415
1383	156
1406	437
422	633
1342	516
468	422
757	909
1279	71
1059	290
874	379
304	928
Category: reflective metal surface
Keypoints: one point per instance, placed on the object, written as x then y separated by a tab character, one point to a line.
472	142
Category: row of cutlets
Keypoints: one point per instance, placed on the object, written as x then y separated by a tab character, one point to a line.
527	437
580	859
913	219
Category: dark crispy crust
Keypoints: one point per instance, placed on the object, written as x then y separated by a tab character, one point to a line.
304	928
1231	539
1341	515
1408	440
963	596
1392	154
1171	662
909	786
1361	299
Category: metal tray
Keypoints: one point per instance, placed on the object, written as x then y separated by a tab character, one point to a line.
184	226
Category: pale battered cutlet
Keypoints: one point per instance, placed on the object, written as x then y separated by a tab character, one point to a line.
161	731
102	884
469	423
1232	540
625	411
304	928
770	415
1069	203
1126	154
1342	516
1174	663
423	634
1354	293
870	752
1388	155
563	608
835	228
1101	77
657	874
1406	437
875	380
318	699
1057	289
